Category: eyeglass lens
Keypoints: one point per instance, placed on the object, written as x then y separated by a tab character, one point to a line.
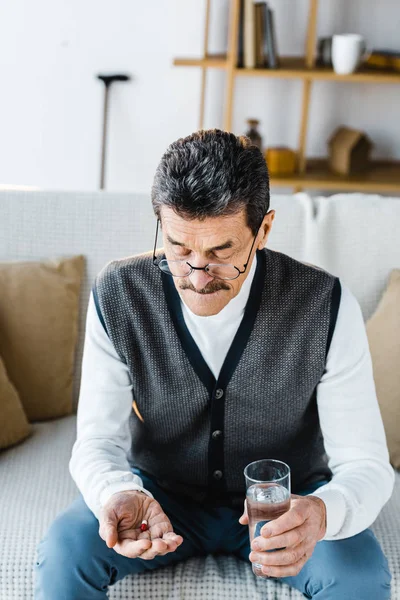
179	268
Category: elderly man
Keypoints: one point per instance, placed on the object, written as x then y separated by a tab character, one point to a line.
200	358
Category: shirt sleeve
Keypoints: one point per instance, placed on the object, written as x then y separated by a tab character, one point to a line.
99	464
352	429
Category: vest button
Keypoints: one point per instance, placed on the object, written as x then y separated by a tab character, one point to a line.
216	434
217	474
219	393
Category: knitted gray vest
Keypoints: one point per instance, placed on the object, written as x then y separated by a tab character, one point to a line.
197	434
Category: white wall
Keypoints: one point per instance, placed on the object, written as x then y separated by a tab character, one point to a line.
51	102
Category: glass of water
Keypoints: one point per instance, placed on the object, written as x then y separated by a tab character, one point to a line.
267	497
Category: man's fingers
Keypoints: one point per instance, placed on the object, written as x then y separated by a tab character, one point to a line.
161	546
285	571
158	530
132	548
168	537
157	548
289	556
285	540
148	549
291	519
172	538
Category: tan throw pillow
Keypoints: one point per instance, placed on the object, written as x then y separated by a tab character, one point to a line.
383	330
14	424
39	305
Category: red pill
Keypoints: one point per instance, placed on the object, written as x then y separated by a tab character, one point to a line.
143	526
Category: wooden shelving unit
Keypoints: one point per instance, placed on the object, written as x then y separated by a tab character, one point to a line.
383	176
292	67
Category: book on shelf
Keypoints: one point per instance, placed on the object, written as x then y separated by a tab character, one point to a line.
261	38
249	32
257	46
271	39
240	56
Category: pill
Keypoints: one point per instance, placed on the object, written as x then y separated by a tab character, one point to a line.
143	526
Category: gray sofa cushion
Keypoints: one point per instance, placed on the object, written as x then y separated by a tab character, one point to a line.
36	485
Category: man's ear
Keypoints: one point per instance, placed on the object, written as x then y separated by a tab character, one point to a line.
266	227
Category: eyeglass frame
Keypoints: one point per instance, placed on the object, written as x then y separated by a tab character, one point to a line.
208	264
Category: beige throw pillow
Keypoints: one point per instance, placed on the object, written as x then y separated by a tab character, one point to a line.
39	305
14	424
383	330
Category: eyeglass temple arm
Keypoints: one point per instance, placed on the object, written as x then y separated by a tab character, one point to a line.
255	237
155	242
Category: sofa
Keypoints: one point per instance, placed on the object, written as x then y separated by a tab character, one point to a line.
354	236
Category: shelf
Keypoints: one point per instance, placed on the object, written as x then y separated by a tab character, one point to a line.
213	61
294	67
383	176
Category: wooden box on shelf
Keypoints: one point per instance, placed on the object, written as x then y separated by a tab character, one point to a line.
349	151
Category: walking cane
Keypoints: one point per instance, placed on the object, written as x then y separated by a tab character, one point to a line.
107	80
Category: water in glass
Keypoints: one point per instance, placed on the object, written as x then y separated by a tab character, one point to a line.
265	502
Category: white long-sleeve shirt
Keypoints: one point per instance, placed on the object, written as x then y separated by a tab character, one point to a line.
349	414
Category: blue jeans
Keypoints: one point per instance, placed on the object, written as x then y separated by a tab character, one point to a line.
74	563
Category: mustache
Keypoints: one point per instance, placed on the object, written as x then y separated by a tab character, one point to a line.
209	289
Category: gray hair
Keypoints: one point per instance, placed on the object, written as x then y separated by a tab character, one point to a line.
212	173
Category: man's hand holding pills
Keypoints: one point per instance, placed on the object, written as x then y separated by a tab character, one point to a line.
120	526
296	533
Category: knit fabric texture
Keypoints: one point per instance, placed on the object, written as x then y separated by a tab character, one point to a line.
197	434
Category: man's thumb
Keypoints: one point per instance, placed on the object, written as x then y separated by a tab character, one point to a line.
109	532
244	520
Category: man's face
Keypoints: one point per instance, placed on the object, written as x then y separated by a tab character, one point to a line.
224	239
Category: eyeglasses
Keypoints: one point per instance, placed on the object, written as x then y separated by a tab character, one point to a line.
181	268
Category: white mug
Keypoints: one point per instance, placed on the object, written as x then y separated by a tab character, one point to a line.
348	50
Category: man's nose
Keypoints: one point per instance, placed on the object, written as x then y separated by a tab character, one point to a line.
199	279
